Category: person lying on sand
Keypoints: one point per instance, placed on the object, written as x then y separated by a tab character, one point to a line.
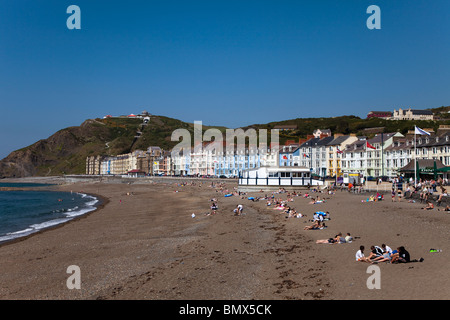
337	239
315	226
429	206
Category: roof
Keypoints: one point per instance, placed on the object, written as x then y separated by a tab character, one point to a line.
417	111
356	146
422	112
408	143
380	112
338	140
423	163
385	136
309	143
285	149
325	141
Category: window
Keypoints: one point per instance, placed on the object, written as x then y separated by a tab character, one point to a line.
273	174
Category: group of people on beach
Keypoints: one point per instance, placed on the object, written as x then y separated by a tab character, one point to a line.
318	220
385	254
377	254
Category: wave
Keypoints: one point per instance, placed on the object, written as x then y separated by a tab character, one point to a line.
68	214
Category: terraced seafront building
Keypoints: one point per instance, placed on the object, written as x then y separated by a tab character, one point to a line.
324	156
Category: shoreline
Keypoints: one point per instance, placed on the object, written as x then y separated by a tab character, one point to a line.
102	201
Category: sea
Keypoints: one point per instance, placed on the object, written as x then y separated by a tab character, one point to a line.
25	212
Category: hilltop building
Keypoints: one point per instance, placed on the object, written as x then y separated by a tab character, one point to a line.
412	114
379	114
318	133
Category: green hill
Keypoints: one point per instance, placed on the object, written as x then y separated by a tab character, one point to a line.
65	151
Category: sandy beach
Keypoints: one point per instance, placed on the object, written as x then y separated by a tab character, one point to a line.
143	243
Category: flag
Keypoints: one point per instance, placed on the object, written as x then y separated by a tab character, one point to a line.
368	145
305	155
417	130
285	157
339	151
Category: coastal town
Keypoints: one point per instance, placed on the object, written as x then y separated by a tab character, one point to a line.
220	159
325	154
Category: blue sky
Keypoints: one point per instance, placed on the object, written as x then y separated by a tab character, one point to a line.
227	63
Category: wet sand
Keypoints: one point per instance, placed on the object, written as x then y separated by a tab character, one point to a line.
144	244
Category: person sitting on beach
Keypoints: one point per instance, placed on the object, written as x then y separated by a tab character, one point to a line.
402	256
376	252
443	194
214	208
386	248
387	254
292	213
360	255
379	197
424	194
238	210
321	216
348	238
339	238
429	206
317	217
399	195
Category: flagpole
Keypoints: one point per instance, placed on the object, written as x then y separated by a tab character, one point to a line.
366	172
415	163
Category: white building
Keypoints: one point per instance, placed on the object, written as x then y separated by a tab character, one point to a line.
412	114
278	177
